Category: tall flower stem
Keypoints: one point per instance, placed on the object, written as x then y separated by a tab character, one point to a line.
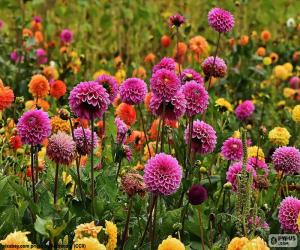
127	223
32	174
36	164
152	233
215	55
56	184
92	167
189	147
177	47
163	128
119	168
144	129
157	138
276	194
201	227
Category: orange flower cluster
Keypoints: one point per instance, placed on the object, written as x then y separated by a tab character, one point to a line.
39	86
6	96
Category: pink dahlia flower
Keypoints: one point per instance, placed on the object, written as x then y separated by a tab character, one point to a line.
83	140
66	36
34	127
259	165
177	20
220	20
122	130
133	91
110	84
215	67
165	63
162	174
191	75
289	210
286	159
244	110
232	149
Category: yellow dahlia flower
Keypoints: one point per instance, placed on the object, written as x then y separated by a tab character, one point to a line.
17	238
236	134
223	103
296	114
88	243
112	232
254	151
280	72
237	243
256	244
279	136
59	124
288	66
171	244
289	92
267	60
87	230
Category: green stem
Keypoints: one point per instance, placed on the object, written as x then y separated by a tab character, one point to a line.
201	227
56	184
124	238
32	174
92	167
144	129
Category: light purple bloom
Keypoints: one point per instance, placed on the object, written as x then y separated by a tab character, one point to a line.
122	130
83	140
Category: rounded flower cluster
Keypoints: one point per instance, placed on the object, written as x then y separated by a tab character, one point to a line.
196	98
133	91
244	110
6	96
162	174
232	149
110	84
191	75
165	63
197	194
198	45
34	127
177	20
133	183
254	244
61	148
279	136
87	229
223	104
174	108
294	82
288	213
59	124
39	86
121	130
164	84
296	114
237	243
126	113
220	20
112	232
214	66
17	238
255	151
58	89
171	244
89	99
83	140
204	138
287	160
66	36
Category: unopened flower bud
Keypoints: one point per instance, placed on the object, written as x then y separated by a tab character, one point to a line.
64	114
203	170
228	185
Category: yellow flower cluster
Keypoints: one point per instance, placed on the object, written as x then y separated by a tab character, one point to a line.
254	151
171	244
112	232
282	72
18	238
87	230
59	124
246	244
279	136
223	103
296	114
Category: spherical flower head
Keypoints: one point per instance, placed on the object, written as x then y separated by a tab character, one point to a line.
288	213
126	113
165	63
214	66
39	86
196	97
110	84
177	20
6	97
133	183
199	46
204	138
255	151
61	148
259	165
174	108
122	130
83	140
279	136
236	169
220	20
171	244
89	99
295	113
66	36
34	127
232	149
88	243
237	243
191	75
287	160
133	91
256	243
164	84
244	110
295	82
112	232
197	194
58	89
162	174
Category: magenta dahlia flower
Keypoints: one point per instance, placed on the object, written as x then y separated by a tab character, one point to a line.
133	91
127	152
204	138
244	110
37	19
61	148
196	98
235	169
162	174
89	99
177	20
220	20
122	130
287	160
174	109
295	82
215	67
258	222
197	194
34	127
41	55
66	36
191	75
83	140
289	210
164	84
258	165
165	63
232	149
110	84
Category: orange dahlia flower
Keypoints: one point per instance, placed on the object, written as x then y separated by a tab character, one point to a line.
147	100
137	138
265	35
150	58
39	86
198	45
38	37
261	51
58	89
6	96
126	113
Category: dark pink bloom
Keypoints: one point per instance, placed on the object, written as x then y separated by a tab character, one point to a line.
197	194
287	160
220	20
165	63
177	20
244	110
133	91
289	210
110	84
215	67
83	140
232	149
66	36
191	75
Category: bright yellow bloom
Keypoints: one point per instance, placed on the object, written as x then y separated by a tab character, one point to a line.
237	243
17	238
221	102
88	243
298	221
279	136
254	151
99	73
267	60
289	92
120	75
296	114
280	72
112	232
87	230
281	103
171	244
59	124
236	134
256	244
288	67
